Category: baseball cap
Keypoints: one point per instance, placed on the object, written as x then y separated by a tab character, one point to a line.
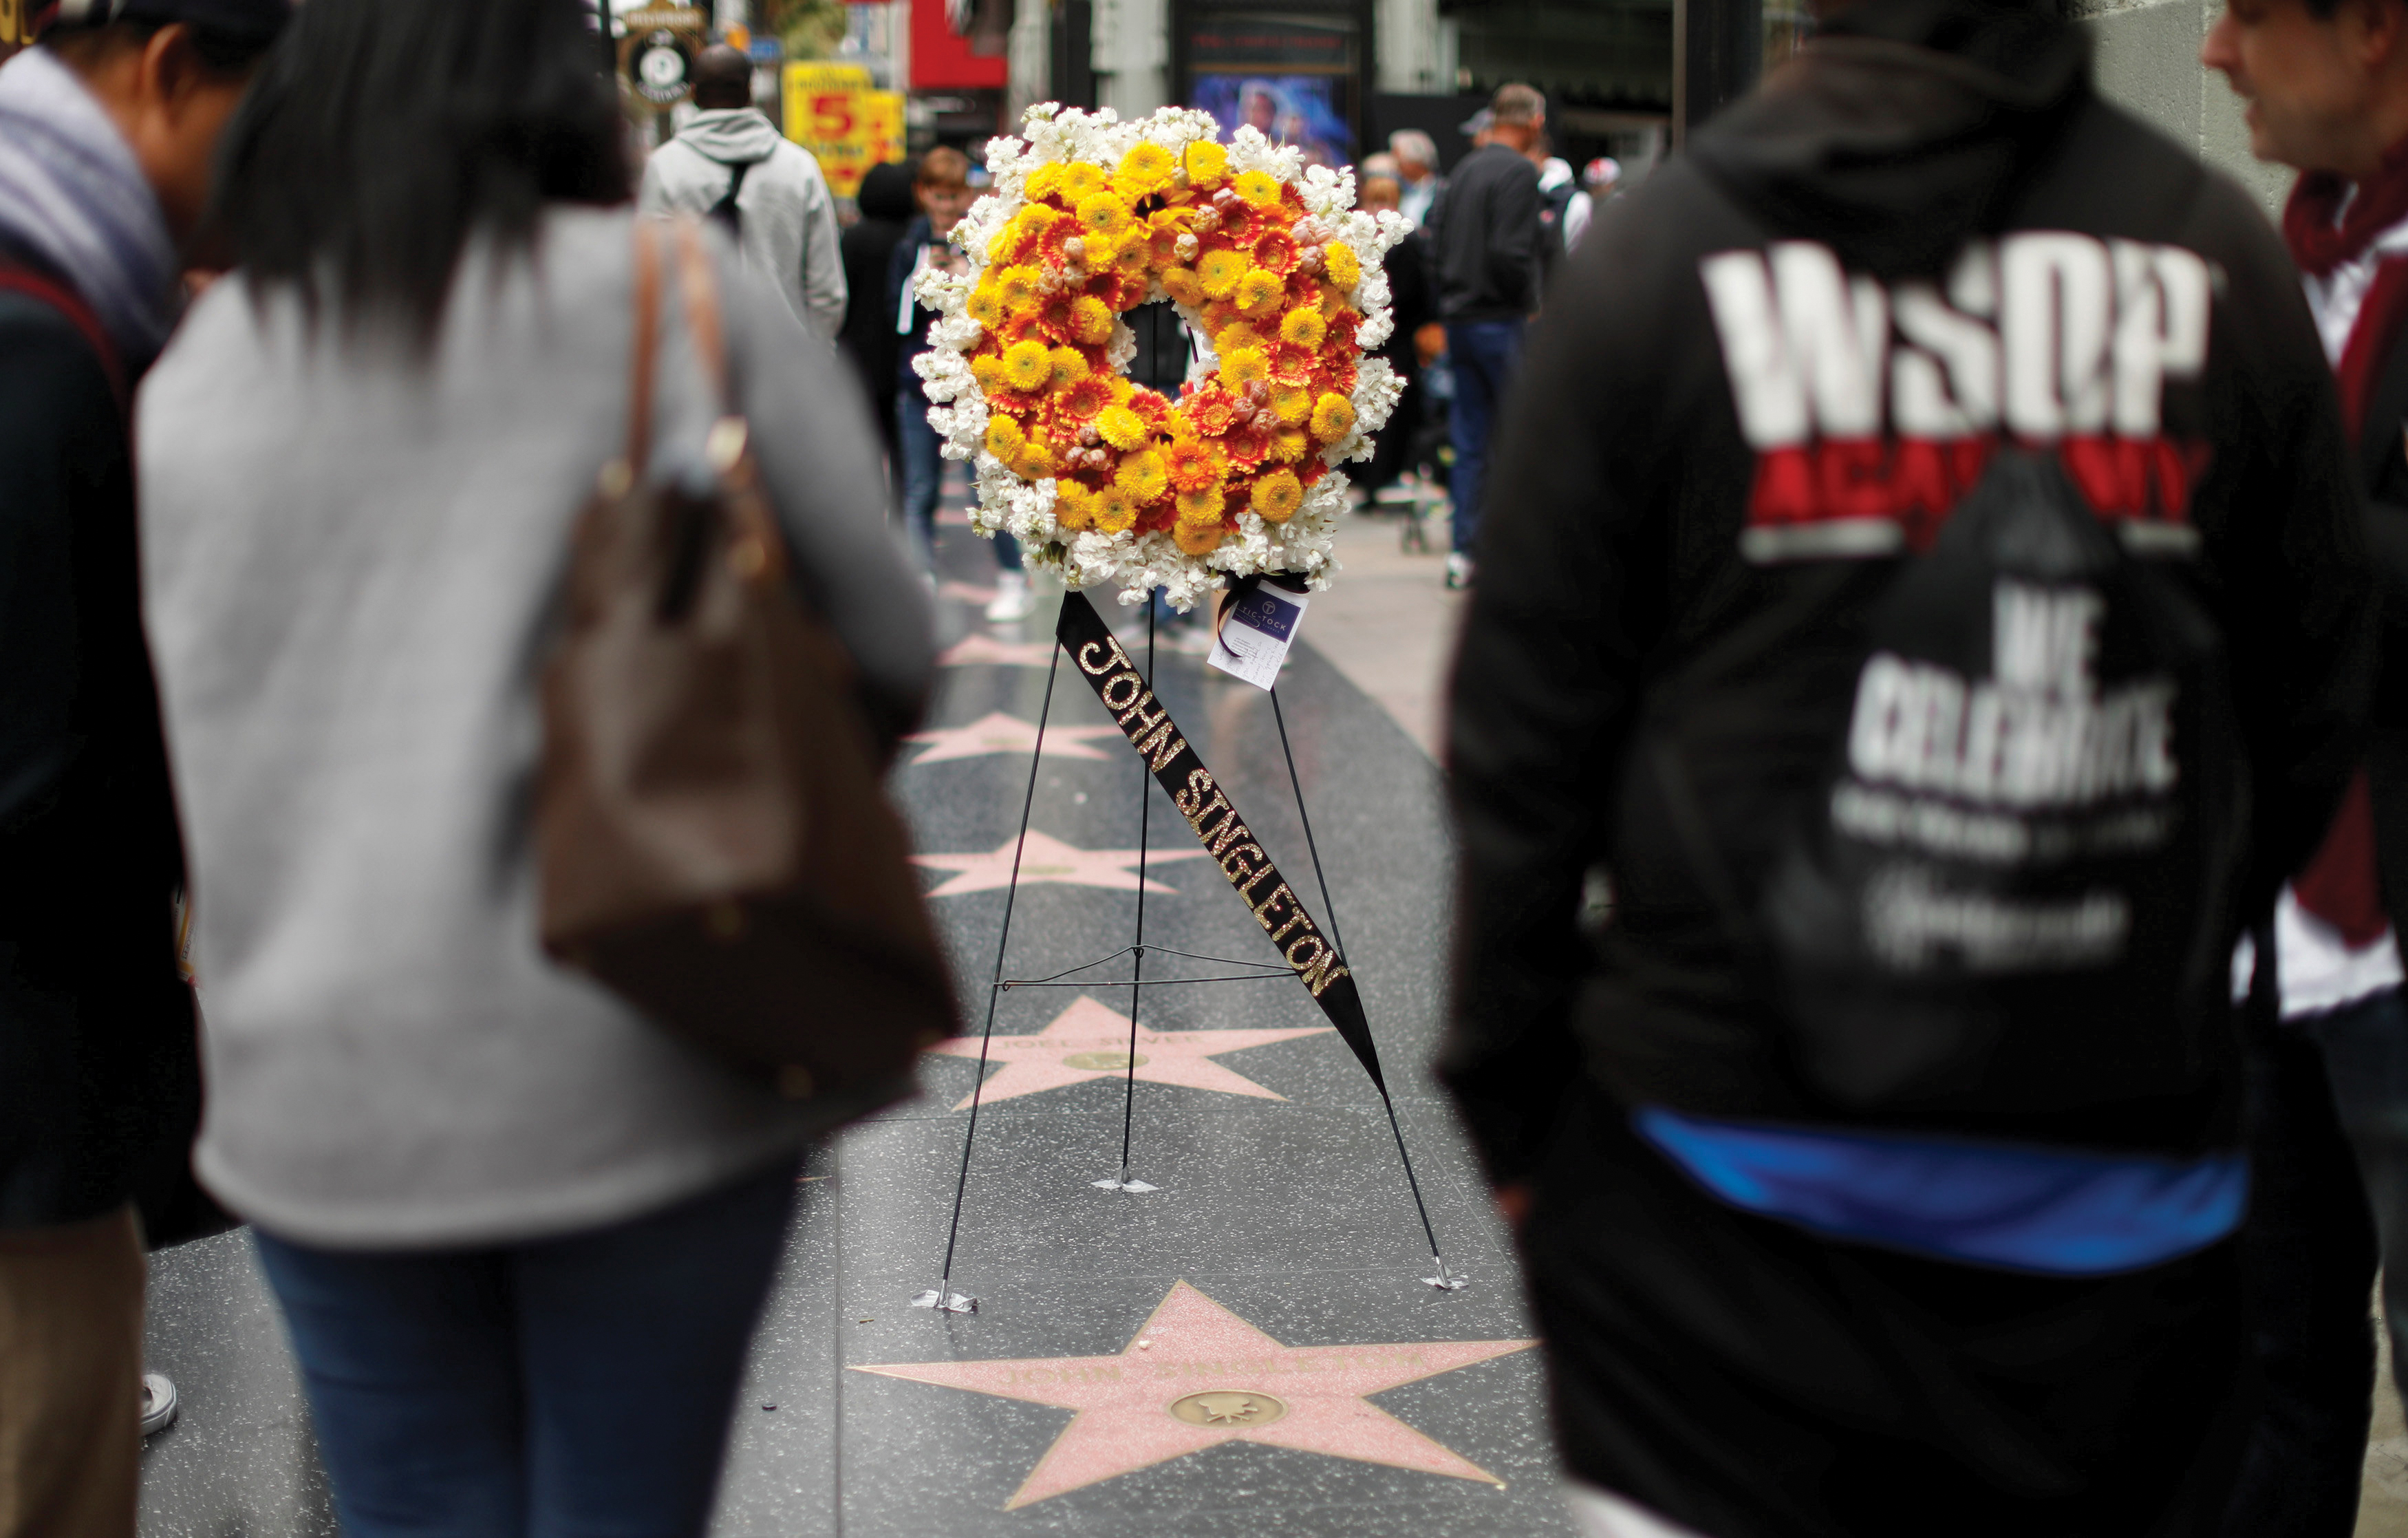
1476	124
249	19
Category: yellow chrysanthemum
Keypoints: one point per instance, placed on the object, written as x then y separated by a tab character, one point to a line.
1199	537
1070	366
1103	214
1278	495
1202	503
1235	335
1259	187
1145	170
1074	506
1100	252
1292	402
1181	284
1133	258
1206	163
1026	364
1044	182
1121	427
1333	417
1016	286
1258	292
1143	476
1219	272
1290	443
1080	181
1003	437
988	370
1245	365
1304	327
1345	268
985	307
1091	318
1034	461
1115	510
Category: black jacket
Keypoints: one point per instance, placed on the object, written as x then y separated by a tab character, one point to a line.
1484	238
1616	609
99	1087
867	339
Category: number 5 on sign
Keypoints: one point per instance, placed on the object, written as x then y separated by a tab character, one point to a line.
832	111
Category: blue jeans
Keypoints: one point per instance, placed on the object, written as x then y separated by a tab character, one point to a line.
1484	354
570	1387
924	473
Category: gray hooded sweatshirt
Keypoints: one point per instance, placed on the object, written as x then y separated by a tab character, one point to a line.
789	219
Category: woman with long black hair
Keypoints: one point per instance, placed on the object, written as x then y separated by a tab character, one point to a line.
520	1236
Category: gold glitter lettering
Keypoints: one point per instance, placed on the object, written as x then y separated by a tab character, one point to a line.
1164	746
1188	802
1136	687
1261	913
1113	656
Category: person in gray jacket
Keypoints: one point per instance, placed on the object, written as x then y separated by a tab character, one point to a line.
731	162
520	1236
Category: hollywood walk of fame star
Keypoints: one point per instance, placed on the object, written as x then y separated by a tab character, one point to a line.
980	647
1196	1375
996	732
1045	859
1091	1041
966	592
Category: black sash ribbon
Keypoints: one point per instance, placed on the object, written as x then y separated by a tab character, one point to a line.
1109	671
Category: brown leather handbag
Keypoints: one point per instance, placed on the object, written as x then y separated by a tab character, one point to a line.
714	842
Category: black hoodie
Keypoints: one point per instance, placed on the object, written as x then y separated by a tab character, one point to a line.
1720	446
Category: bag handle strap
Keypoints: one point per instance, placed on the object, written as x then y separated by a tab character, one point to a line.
643	351
699	290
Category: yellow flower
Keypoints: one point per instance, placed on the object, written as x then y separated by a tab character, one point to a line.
985	308
1258	292
1133	258
1026	364
1122	428
1333	417
1044	182
1143	476
1101	250
1074	506
1181	285
1091	318
1245	365
1259	187
1003	437
1200	504
1016	286
1145	170
1345	268
1293	402
1206	162
1080	181
1236	334
1103	214
988	370
1034	461
1278	495
1219	272
1115	510
1070	366
1305	327
1290	443
1198	536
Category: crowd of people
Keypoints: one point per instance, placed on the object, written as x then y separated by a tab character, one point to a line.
1926	752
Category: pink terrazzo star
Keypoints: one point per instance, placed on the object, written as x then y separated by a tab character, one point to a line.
1045	859
1091	1041
996	732
982	648
966	592
1196	1375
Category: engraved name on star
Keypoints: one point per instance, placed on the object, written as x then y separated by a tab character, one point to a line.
997	732
1045	859
1091	1041
1196	1375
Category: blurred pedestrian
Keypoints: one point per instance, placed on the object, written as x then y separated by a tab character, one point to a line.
519	1234
1484	239
1418	181
868	339
1407	268
1558	189
1598	179
2327	83
106	130
1843	1007
731	163
944	191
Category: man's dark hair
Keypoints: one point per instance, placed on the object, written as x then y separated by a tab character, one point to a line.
723	78
384	132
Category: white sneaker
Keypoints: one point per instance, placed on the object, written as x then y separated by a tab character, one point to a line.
1458	569
1013	599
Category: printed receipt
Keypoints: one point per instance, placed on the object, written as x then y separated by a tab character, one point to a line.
1256	633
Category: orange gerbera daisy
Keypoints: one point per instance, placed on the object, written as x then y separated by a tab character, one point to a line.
1249	446
1209	408
1276	253
1193	465
1150	408
1291	363
1083	399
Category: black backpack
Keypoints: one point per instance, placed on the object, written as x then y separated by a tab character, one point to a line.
2006	897
725	210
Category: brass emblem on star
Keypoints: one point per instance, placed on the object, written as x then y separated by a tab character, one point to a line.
1223	1408
1103	1062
